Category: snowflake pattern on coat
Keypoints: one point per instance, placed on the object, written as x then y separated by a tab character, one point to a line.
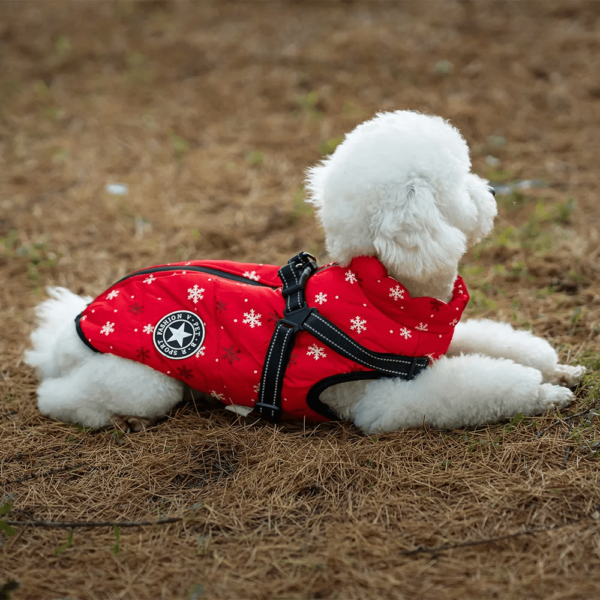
421	327
252	318
321	298
405	333
112	295
196	293
148	328
359	325
397	293
150	279
316	352
351	277
108	328
251	275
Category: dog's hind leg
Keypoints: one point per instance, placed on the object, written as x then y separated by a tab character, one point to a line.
467	390
500	340
106	385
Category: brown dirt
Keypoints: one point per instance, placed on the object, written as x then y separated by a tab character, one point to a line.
210	112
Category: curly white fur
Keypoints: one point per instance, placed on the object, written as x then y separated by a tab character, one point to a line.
399	187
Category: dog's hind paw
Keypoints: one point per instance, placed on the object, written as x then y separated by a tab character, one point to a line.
565	375
130	423
554	396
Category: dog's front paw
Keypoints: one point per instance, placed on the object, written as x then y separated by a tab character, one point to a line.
130	423
369	417
565	375
554	396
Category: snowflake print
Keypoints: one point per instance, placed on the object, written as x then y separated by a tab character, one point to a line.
251	275
405	333
358	324
196	293
220	397
112	295
320	298
83	318
252	318
200	352
185	372
436	305
397	293
273	317
316	352
108	328
431	357
256	388
231	354
421	327
351	277
293	358
453	322
143	354
221	305
150	279
136	308
148	328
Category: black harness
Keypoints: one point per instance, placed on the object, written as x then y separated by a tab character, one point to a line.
298	316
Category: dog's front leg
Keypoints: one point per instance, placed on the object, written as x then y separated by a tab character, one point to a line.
466	390
500	340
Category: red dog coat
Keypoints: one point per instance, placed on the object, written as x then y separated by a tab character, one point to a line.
210	324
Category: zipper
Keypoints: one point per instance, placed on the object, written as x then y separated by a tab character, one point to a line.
208	270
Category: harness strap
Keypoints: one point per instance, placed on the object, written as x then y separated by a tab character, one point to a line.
298	316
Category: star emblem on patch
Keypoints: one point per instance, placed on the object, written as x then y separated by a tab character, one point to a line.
179	334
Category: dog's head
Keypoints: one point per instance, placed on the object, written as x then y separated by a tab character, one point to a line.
400	187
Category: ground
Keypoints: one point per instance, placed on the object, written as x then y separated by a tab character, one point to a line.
209	113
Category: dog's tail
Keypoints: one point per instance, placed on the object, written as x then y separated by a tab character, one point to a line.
56	346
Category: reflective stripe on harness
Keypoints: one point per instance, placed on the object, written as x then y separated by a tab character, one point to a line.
299	317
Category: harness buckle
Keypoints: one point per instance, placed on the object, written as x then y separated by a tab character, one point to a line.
295	319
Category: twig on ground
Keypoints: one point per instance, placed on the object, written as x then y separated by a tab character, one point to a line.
36	475
73	524
446	547
569	418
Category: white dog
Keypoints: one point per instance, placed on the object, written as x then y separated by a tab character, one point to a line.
398	188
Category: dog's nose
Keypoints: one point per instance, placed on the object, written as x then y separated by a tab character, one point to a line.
492	190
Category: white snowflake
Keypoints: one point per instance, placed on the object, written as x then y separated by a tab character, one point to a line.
316	352
421	327
397	293
200	352
351	277
431	356
454	322
108	328
358	324
112	295
256	388
405	333
148	328
252	318
83	318
252	275
320	298
150	279
195	293
220	397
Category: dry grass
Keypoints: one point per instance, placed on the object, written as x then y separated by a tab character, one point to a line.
210	112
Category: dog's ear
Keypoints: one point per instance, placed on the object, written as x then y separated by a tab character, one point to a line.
411	234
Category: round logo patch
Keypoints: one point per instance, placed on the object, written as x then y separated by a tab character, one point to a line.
179	334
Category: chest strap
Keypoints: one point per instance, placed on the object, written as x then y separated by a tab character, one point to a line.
298	316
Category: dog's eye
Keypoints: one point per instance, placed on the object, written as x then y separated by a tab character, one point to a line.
492	191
